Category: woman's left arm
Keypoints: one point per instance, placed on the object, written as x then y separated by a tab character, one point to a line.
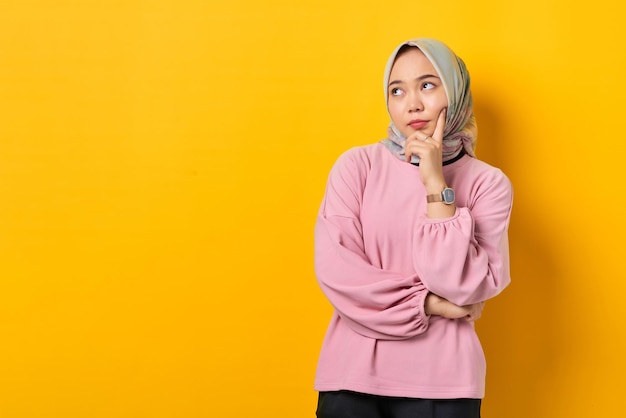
465	258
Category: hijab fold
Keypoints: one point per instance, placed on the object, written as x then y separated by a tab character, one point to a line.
460	130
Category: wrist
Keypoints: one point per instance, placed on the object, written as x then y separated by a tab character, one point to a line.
435	186
445	195
431	303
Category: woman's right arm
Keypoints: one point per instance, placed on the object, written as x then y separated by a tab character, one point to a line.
373	302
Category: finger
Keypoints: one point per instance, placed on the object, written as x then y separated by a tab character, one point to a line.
441	124
409	146
407	151
473	316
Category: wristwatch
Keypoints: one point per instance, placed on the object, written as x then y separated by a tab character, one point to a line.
446	196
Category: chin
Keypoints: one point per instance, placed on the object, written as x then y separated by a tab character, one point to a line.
407	132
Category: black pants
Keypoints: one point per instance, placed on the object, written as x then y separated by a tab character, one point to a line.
346	404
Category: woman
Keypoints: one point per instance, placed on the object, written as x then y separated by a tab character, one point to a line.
410	241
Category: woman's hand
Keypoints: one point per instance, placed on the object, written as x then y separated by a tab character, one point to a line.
475	311
436	305
429	149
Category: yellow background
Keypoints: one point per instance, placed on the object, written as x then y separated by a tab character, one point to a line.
161	166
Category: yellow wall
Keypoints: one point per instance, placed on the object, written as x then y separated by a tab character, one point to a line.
161	165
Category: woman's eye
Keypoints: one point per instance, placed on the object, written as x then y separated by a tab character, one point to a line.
396	92
428	86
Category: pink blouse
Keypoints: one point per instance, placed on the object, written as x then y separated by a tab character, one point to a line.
377	256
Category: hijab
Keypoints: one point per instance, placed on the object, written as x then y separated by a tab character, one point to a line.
460	131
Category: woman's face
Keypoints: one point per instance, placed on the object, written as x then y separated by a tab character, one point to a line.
416	94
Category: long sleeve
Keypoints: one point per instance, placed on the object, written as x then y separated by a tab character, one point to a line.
377	255
465	259
373	302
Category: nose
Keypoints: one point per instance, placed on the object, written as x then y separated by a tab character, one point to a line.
415	103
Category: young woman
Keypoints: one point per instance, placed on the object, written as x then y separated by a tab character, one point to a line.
410	241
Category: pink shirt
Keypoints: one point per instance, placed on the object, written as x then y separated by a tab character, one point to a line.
377	256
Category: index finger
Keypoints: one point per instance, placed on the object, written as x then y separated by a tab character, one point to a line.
441	124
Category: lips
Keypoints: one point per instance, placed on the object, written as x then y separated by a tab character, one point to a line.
417	123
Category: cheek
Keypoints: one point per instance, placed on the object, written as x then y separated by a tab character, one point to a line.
440	101
395	110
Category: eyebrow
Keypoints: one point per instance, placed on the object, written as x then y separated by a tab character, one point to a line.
420	78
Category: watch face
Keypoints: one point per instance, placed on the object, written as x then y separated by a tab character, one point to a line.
448	196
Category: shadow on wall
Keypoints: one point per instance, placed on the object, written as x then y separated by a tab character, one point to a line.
515	330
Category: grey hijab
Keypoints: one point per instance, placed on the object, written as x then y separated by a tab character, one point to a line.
460	130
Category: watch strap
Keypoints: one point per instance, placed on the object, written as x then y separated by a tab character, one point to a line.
432	198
